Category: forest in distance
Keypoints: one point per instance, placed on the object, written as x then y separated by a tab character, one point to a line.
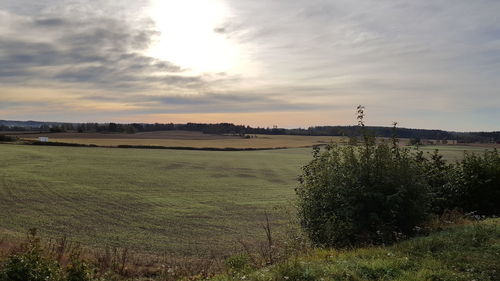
241	130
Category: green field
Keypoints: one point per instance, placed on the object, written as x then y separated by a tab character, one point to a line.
147	200
452	152
179	202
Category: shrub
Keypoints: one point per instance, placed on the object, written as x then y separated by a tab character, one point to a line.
34	264
440	177
365	194
238	263
7	138
477	183
362	194
30	265
78	270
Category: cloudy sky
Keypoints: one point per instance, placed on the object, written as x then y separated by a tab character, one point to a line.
426	63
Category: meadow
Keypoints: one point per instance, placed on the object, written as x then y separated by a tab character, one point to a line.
154	201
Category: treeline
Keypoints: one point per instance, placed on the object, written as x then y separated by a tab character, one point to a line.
216	128
230	128
387	132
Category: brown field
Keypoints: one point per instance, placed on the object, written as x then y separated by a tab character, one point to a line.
143	135
186	139
197	140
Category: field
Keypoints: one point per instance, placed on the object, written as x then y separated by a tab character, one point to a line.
186	139
150	200
182	202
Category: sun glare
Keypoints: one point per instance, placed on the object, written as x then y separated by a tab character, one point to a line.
188	36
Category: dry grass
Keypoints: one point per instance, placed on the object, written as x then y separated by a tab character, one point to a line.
121	263
188	139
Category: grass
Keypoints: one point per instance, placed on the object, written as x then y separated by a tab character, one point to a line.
467	252
154	201
453	152
183	202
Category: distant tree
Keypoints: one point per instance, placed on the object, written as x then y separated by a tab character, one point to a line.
130	129
112	127
416	141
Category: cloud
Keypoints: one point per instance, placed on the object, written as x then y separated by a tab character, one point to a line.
399	58
97	52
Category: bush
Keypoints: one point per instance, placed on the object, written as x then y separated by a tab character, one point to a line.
78	270
7	138
30	265
238	263
376	193
354	195
478	183
440	177
469	185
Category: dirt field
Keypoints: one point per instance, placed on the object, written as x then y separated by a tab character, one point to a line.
183	135
186	139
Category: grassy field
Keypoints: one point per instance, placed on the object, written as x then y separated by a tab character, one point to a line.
183	202
149	200
453	152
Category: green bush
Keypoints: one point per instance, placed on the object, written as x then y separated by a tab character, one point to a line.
30	265
78	270
440	177
369	194
477	183
377	193
469	185
238	263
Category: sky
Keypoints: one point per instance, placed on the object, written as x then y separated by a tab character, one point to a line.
425	64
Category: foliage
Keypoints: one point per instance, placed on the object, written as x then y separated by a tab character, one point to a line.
239	263
378	193
439	175
78	270
367	194
30	265
471	184
478	182
34	263
7	138
371	193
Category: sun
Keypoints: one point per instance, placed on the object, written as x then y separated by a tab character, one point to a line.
188	37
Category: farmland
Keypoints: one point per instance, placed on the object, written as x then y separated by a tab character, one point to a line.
187	139
150	200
